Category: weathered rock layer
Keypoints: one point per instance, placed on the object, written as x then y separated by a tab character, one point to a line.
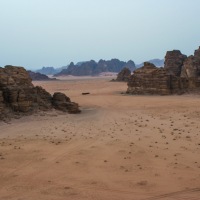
19	96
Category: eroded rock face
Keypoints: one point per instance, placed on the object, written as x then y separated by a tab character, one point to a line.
180	74
147	80
19	96
12	76
191	67
152	80
174	62
124	75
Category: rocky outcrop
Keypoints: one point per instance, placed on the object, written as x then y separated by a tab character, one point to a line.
149	80
180	74
92	68
191	67
174	62
62	102
152	80
36	76
124	75
18	96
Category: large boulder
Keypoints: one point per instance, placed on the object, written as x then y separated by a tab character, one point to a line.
19	96
62	102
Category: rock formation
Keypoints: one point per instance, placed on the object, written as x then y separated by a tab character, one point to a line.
149	80
62	102
92	68
36	76
191	67
19	96
174	62
152	80
180	74
124	75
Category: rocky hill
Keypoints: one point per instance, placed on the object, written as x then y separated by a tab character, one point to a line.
124	75
92	68
36	76
180	74
18	96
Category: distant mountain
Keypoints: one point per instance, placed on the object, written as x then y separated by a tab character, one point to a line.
50	70
91	68
156	62
47	70
79	63
36	76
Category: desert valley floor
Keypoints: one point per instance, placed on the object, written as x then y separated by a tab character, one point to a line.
119	147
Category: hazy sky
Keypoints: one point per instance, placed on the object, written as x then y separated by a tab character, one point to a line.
36	33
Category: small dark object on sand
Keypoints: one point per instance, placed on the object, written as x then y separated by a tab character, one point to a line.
85	93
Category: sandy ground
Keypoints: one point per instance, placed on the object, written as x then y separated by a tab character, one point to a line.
119	147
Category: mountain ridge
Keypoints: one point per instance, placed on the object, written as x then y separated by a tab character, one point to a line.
92	68
85	68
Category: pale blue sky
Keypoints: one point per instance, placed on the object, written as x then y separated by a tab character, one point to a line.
36	33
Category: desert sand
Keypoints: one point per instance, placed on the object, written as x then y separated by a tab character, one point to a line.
119	147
